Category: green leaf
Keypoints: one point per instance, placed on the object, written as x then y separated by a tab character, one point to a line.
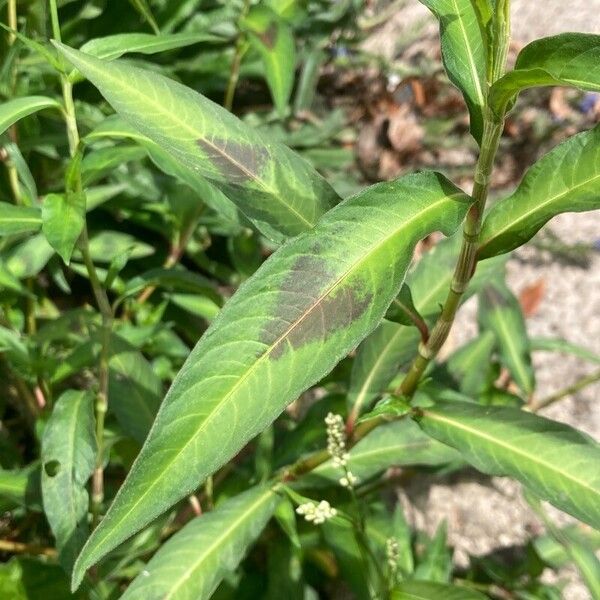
21	486
15	220
500	312
114	46
560	345
425	590
68	459
566	59
271	185
146	12
471	364
194	561
403	309
400	443
567	179
555	461
28	258
114	126
134	390
436	562
287	326
23	578
63	218
13	110
273	39
464	51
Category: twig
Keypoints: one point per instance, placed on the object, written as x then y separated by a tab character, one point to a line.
569	390
237	61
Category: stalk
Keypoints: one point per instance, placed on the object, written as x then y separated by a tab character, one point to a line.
467	260
580	384
100	295
234	75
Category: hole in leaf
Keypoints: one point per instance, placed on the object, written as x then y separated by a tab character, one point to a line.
52	467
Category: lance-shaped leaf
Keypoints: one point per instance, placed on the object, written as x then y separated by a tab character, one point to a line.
500	312
68	458
114	126
399	443
13	110
566	59
567	179
63	218
194	561
427	590
286	327
19	219
271	185
273	39
555	461
464	51
114	46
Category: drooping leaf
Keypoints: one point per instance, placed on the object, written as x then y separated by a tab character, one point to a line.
567	179
114	46
500	312
13	110
194	561
399	443
271	185
308	305
565	59
68	458
63	218
464	51
273	39
555	461
15	220
426	590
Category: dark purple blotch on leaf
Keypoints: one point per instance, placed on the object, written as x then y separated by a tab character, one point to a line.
303	314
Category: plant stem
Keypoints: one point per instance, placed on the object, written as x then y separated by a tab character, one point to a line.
467	260
568	391
234	75
102	300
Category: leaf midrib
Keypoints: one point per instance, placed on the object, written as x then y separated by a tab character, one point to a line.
219	540
512	349
194	133
470	55
221	406
535	208
514	449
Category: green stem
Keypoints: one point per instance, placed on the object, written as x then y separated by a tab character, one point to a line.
100	295
579	385
234	75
